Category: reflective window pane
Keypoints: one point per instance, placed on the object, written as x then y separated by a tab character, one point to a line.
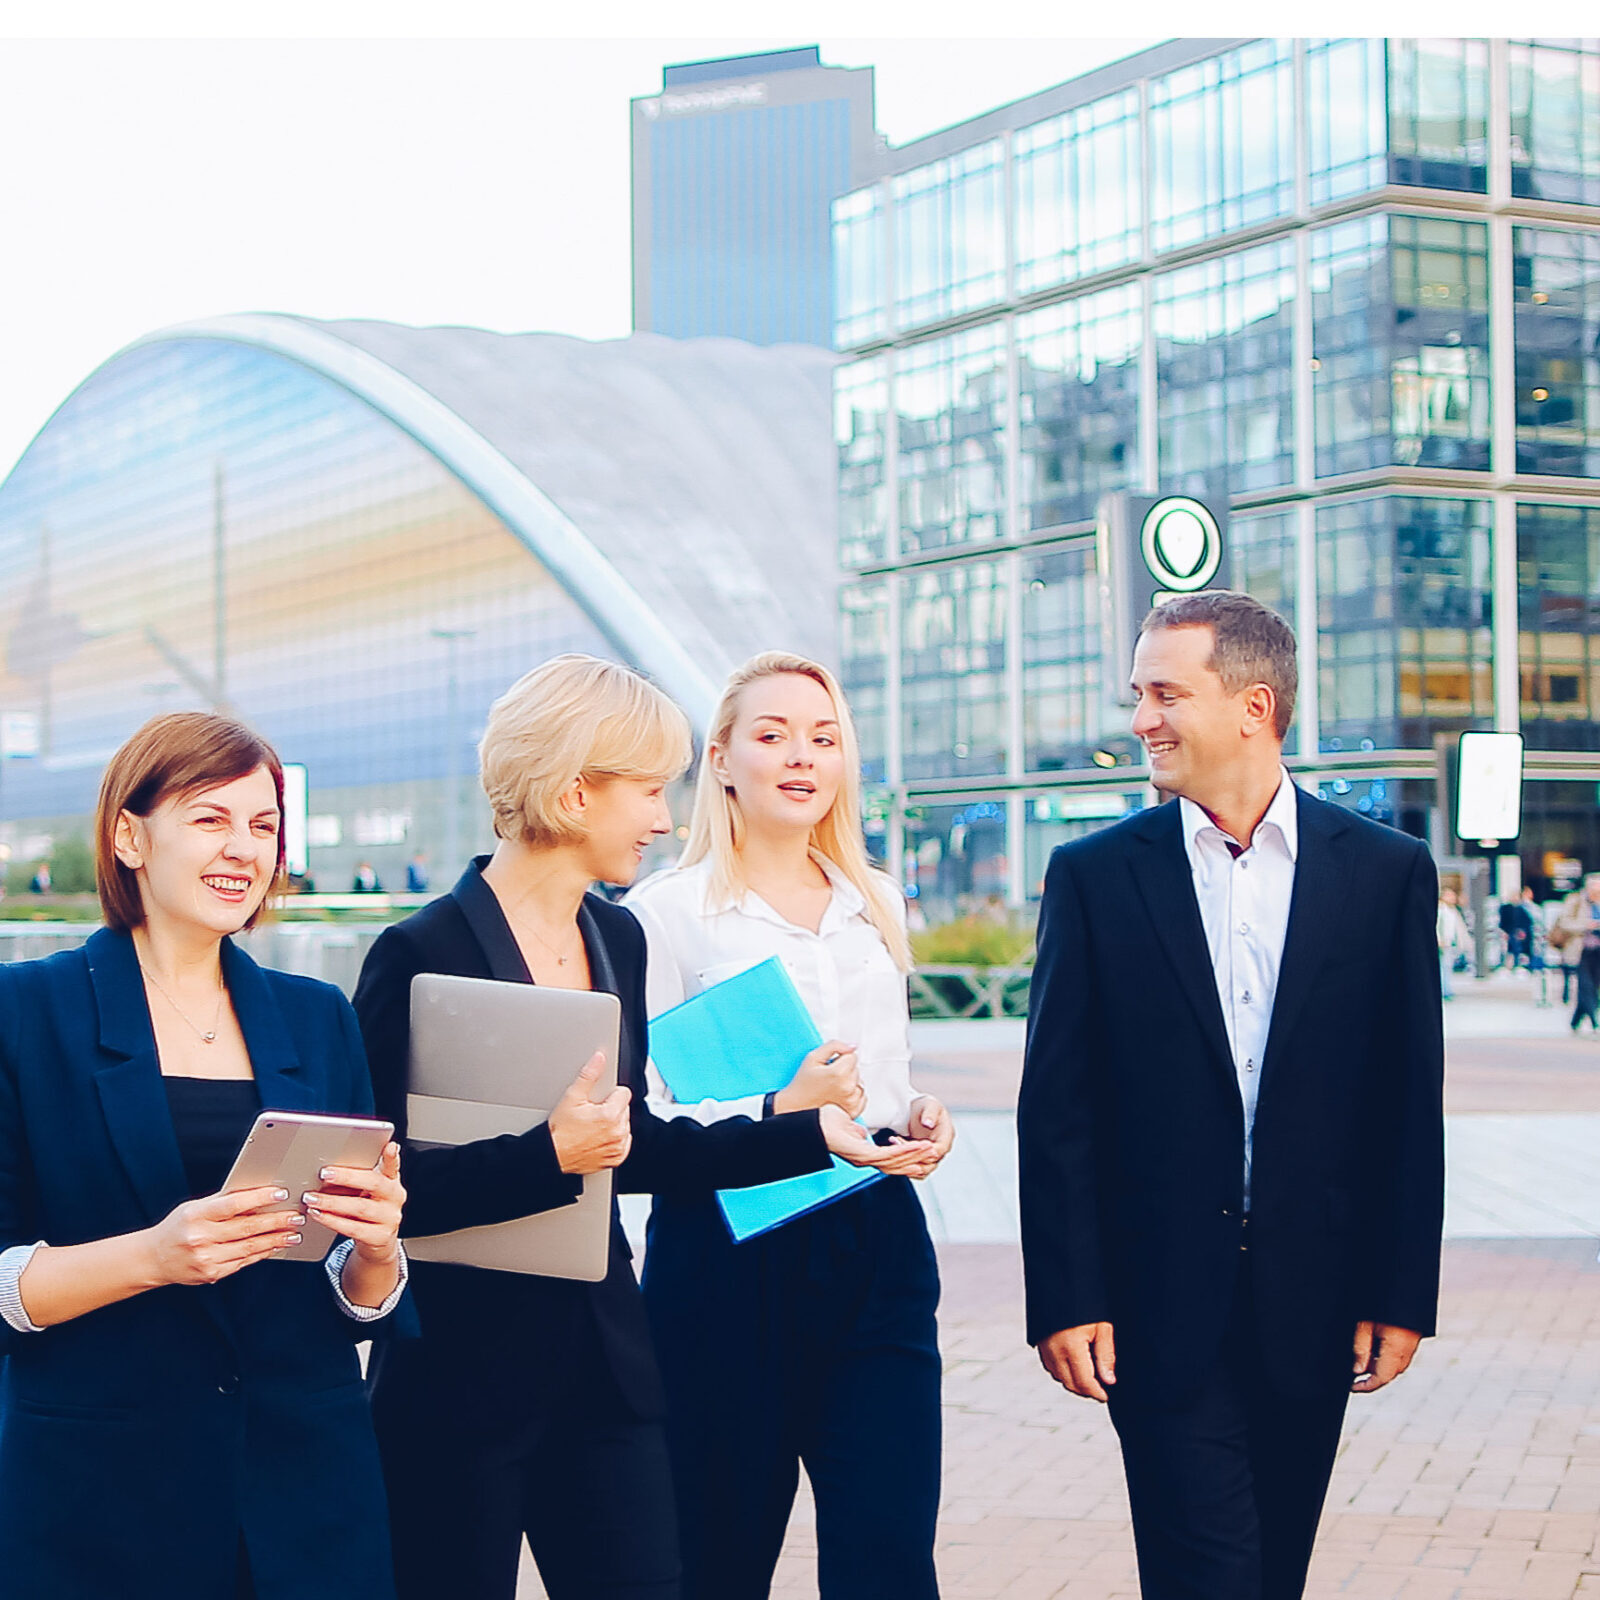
1264	562
1346	117
1076	180
1400	327
1404	606
1439	113
1078	400
953	688
1555	119
955	859
1558	620
950	399
859	239
1222	144
1224	334
1557	275
864	670
861	420
949	230
1063	709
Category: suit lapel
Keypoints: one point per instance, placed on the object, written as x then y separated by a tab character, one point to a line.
1165	882
132	1096
280	1076
1319	884
489	926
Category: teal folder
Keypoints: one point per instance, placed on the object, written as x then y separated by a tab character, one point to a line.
745	1036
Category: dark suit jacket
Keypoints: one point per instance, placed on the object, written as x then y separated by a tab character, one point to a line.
509	1335
138	1441
1131	1128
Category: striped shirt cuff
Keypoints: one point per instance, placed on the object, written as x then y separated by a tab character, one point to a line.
335	1265
13	1263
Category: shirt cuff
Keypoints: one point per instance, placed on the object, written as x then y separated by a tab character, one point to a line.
335	1267
13	1263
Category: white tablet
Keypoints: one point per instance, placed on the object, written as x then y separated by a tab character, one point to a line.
289	1149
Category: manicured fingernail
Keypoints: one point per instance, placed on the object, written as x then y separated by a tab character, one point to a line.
294	1238
323	1175
295	1222
280	1194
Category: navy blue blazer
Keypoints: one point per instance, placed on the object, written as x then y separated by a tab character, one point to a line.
1131	1127
138	1443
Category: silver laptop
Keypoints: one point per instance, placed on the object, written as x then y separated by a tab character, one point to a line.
490	1058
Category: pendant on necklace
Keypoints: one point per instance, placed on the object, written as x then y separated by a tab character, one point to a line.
208	1038
561	961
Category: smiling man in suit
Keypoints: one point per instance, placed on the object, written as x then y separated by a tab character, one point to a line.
1231	1124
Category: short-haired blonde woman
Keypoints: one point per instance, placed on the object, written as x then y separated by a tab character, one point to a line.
178	1419
532	1406
816	1342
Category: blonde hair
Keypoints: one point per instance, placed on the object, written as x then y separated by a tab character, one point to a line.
716	829
574	716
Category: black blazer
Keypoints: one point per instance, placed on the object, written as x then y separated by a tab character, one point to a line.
517	1330
139	1441
1131	1128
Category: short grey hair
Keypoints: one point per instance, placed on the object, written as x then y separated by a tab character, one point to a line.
1251	643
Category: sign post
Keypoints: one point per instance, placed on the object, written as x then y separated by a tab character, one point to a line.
1148	550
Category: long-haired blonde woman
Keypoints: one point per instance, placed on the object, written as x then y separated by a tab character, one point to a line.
815	1343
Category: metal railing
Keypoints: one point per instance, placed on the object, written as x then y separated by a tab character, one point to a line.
959	991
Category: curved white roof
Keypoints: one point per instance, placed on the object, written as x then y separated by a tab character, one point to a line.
681	490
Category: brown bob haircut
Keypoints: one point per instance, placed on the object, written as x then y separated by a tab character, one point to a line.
177	754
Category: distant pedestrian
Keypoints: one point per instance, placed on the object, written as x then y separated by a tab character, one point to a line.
1583	930
1455	940
366	880
1516	925
40	882
417	873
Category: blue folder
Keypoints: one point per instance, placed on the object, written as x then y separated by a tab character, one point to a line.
747	1036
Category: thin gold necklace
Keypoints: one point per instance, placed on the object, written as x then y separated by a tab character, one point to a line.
204	1036
528	927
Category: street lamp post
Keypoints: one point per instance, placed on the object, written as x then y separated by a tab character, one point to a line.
451	638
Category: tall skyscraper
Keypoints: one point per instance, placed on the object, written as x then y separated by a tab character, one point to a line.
736	164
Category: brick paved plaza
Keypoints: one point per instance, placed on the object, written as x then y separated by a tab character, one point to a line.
1474	1477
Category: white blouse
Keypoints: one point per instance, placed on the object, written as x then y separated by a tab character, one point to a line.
843	972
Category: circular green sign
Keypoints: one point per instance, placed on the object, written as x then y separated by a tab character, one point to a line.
1181	544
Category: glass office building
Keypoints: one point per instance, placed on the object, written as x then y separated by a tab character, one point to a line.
735	165
1349	286
356	535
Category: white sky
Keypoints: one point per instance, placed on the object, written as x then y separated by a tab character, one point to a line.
479	180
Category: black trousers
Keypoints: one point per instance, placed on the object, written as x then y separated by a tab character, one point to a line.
1227	1484
1588	989
815	1343
586	1482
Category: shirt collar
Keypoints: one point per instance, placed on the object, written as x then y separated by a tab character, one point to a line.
1283	814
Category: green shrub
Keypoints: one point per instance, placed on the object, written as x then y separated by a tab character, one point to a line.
972	941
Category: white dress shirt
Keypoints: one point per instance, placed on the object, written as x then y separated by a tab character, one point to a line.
843	972
1244	905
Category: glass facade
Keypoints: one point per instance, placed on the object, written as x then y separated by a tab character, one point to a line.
204	522
1078	404
1224	338
1558	594
949	236
1400	319
1558	351
1076	184
1281	278
950	398
1555	119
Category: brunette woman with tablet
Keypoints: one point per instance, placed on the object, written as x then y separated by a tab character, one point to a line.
532	1405
815	1342
182	1417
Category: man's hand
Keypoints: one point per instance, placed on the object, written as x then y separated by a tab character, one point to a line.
1083	1360
1382	1353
